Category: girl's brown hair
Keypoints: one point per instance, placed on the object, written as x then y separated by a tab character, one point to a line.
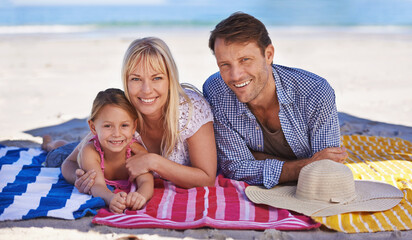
112	96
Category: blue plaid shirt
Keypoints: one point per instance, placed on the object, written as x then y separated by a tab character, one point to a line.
307	114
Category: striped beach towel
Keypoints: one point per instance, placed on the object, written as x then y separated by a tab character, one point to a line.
224	206
382	159
29	190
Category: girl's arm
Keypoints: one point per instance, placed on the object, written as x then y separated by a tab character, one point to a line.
145	184
203	159
89	159
72	172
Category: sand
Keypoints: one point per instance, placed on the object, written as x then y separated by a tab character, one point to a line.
48	82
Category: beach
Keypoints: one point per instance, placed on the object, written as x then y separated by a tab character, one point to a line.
48	81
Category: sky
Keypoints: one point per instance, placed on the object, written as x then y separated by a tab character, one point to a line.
83	2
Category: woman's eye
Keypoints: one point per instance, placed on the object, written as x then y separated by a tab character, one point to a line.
135	79
157	78
106	126
125	125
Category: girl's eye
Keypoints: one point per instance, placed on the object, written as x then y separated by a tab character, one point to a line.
125	125
106	125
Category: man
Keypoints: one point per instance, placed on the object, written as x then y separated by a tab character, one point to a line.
270	120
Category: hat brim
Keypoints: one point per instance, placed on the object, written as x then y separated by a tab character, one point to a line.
371	196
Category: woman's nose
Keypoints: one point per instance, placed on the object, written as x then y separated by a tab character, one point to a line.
147	87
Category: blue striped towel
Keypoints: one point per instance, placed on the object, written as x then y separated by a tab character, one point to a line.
29	190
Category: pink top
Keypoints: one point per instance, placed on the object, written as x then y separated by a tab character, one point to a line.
118	184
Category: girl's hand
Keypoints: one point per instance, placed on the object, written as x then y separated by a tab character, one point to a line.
135	201
118	202
139	164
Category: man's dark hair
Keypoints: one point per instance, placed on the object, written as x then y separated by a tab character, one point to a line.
241	28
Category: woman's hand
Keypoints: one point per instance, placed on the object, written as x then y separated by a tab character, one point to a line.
84	181
139	164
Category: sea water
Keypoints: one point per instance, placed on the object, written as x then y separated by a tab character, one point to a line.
30	16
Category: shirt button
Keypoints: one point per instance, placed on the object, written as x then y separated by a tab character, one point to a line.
257	128
259	145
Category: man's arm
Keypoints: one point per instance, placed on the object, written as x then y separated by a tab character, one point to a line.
237	161
291	168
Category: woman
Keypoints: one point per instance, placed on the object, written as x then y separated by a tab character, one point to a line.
175	124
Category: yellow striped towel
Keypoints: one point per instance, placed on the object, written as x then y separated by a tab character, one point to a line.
382	159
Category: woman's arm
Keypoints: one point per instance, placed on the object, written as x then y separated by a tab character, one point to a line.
203	159
72	172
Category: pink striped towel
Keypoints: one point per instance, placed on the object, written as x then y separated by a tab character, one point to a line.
224	206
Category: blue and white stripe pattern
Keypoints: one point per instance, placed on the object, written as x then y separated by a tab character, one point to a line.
29	190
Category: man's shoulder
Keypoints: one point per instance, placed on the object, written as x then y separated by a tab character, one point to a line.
298	74
301	81
214	87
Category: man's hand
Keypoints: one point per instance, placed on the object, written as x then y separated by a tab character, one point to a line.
337	154
84	181
291	169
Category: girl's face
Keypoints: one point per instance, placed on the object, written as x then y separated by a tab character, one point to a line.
148	91
114	127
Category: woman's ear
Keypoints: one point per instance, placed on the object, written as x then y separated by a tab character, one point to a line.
92	127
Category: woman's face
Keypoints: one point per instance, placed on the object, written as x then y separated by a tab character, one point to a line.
148	91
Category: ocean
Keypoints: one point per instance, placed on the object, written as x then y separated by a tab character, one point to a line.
63	15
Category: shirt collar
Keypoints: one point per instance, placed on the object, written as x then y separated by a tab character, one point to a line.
283	88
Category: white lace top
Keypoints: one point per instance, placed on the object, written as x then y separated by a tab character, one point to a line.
200	115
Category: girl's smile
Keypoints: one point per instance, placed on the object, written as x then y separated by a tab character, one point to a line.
114	127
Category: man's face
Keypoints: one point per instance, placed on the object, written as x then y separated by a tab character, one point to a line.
243	67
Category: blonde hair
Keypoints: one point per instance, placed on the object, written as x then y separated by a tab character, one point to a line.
153	53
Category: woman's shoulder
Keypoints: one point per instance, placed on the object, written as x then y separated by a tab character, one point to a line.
197	99
194	94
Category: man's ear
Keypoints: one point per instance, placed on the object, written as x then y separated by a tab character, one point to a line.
269	53
92	127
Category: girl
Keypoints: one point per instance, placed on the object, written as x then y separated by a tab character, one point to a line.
175	123
113	122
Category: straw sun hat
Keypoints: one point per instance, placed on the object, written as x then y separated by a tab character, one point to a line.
327	188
